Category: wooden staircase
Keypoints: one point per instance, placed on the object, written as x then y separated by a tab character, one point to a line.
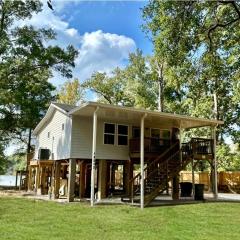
160	171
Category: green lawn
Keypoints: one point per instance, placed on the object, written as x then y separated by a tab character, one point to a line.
30	219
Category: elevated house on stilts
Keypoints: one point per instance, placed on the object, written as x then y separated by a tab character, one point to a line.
79	149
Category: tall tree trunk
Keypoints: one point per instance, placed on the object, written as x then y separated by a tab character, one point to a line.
29	148
159	67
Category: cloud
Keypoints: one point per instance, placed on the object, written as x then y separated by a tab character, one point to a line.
103	52
98	50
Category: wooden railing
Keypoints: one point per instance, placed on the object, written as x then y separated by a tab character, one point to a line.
200	146
153	167
150	145
164	167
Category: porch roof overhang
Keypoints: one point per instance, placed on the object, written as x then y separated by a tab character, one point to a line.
133	115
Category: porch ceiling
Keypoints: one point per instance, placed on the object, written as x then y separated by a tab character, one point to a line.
133	116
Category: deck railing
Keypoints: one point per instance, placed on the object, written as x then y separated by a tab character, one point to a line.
201	146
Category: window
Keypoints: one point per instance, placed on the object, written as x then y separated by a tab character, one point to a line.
48	134
122	135
109	133
166	134
136	132
62	126
155	133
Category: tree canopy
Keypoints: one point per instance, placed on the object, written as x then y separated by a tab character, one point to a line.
27	62
198	41
71	92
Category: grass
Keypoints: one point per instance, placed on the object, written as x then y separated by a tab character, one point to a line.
30	219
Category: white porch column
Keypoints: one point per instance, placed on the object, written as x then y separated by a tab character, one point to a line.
142	160
93	154
215	163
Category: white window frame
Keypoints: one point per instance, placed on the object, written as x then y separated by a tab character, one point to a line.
109	133
125	135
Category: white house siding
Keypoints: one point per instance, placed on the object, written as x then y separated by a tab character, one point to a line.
59	141
82	140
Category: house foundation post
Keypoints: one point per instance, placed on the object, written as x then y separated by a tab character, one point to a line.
29	178
37	178
102	182
193	178
142	161
93	155
175	187
127	176
71	179
56	180
82	179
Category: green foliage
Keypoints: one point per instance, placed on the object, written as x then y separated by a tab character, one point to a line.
228	160
71	92
132	86
198	43
26	65
3	160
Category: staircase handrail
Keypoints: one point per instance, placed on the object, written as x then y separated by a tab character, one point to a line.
155	161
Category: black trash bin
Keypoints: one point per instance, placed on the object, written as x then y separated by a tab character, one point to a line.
199	191
186	189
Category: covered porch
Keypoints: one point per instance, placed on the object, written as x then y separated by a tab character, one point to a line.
152	152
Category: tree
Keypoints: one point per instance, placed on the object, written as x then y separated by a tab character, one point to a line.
199	40
25	67
71	92
3	160
131	86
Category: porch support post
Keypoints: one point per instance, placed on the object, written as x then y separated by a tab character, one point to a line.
180	144
193	178
56	181
102	181
142	160
215	178
93	154
127	176
71	179
82	179
29	188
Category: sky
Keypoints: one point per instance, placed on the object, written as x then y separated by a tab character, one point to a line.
104	32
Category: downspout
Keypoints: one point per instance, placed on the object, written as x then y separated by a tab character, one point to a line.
142	160
93	154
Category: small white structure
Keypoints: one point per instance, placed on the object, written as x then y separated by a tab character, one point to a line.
100	137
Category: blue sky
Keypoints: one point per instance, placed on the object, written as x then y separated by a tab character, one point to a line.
104	32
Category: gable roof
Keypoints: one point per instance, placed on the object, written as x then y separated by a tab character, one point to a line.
64	107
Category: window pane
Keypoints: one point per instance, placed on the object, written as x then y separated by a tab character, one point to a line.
136	132
108	139
109	128
122	140
155	133
166	134
122	129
